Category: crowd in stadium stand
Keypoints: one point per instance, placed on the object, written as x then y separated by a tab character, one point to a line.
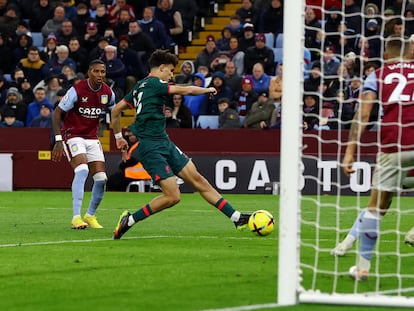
48	44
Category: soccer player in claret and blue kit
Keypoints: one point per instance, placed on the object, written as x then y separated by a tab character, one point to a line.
392	86
157	153
76	124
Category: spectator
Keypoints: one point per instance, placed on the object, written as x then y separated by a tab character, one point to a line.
312	26
14	103
54	24
66	32
247	12
236	55
353	17
235	25
180	112
228	117
188	10
219	83
60	60
310	112
233	79
69	77
313	82
122	25
93	6
208	54
52	85
172	20
50	49
33	67
259	116
78	54
102	19
22	28
333	21
6	60
25	88
70	9
9	119
99	50
220	61
223	43
140	41
330	62
134	67
259	53
271	19
197	104
186	72
110	35
170	122
261	80
4	87
9	21
246	97
17	74
44	120
81	19
23	43
155	29
115	71
91	37
42	11
247	39
206	73
275	86
115	9
33	109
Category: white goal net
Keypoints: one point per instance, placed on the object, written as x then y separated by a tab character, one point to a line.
318	203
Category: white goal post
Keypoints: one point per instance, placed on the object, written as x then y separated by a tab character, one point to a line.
291	288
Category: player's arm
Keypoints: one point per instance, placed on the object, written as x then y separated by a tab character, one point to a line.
359	124
191	90
56	123
121	143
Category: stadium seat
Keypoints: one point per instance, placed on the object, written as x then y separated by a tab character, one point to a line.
270	40
278	55
140	184
279	41
37	39
207	122
8	77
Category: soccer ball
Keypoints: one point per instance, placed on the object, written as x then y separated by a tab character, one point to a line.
261	222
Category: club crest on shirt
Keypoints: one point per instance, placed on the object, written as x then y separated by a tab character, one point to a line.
104	99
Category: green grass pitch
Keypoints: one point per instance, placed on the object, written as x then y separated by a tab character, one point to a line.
189	257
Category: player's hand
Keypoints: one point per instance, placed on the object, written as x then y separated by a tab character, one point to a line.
212	91
57	151
122	145
347	164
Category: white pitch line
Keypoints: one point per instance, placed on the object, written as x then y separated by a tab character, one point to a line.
127	238
247	308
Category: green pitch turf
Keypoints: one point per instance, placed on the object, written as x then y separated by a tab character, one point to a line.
189	257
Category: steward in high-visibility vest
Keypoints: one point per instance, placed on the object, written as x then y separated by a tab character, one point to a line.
136	171
129	170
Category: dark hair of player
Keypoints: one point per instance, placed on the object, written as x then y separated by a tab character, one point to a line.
162	57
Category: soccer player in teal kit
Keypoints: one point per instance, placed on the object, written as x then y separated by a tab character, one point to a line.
158	154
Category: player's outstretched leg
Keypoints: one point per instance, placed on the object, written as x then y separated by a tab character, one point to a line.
122	226
409	237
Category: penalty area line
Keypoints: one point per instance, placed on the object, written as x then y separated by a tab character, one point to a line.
247	308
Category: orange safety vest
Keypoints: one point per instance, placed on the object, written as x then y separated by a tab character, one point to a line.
137	171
